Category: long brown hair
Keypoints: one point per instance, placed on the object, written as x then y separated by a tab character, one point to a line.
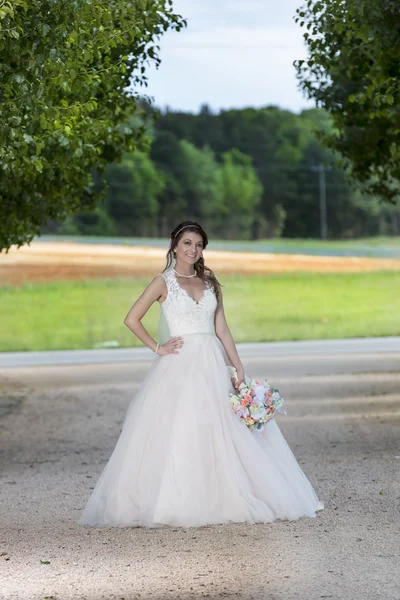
200	268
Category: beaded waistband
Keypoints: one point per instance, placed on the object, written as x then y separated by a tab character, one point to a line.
195	333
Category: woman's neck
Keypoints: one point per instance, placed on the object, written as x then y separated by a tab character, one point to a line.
184	269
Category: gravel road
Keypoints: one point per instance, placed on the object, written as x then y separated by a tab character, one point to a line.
60	423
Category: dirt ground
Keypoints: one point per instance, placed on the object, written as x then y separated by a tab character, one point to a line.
61	424
46	261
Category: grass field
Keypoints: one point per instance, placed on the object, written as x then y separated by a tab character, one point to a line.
81	314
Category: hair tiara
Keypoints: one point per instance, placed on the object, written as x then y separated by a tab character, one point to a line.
185	227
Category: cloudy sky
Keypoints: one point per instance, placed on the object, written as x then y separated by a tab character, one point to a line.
233	53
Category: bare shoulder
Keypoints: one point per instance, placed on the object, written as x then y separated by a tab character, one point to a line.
159	286
159	277
158	281
155	288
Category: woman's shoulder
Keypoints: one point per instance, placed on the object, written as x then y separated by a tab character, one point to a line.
165	278
158	281
166	275
166	283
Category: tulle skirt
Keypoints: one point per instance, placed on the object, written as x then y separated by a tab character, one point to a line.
184	459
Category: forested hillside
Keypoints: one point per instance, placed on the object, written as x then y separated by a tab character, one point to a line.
248	173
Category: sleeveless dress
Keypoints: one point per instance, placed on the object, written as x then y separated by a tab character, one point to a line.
183	458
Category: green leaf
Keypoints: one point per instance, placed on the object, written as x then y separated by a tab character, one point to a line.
355	77
62	74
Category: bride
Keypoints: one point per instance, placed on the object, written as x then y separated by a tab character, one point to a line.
183	458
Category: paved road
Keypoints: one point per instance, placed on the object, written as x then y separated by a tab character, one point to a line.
376	345
62	420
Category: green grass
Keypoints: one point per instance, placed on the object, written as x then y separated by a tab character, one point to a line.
66	315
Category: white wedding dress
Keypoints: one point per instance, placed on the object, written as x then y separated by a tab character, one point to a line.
183	458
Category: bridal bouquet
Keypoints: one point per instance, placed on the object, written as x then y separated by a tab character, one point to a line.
255	403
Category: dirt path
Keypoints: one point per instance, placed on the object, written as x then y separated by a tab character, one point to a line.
62	425
43	261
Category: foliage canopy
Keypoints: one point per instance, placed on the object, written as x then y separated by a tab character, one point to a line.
353	71
244	174
68	85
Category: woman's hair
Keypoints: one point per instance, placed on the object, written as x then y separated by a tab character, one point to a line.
201	269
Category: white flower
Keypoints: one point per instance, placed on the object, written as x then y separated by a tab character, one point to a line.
258	412
259	391
242	411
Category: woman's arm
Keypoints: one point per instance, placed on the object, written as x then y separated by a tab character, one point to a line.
156	290
223	333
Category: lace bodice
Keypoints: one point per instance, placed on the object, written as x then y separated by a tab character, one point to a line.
183	314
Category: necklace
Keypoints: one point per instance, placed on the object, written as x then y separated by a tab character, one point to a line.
188	276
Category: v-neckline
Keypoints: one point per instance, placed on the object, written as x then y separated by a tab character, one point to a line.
187	293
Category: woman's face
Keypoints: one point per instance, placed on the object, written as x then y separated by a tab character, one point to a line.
189	247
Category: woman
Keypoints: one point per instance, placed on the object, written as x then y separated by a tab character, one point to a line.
183	458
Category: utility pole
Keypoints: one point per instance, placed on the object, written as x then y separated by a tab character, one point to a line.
321	169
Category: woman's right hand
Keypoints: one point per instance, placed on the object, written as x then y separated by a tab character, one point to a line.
240	377
171	347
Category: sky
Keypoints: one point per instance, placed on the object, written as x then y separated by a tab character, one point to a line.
233	53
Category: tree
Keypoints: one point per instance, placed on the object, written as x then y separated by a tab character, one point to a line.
353	71
242	191
65	103
285	153
134	186
199	176
94	223
270	136
165	152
